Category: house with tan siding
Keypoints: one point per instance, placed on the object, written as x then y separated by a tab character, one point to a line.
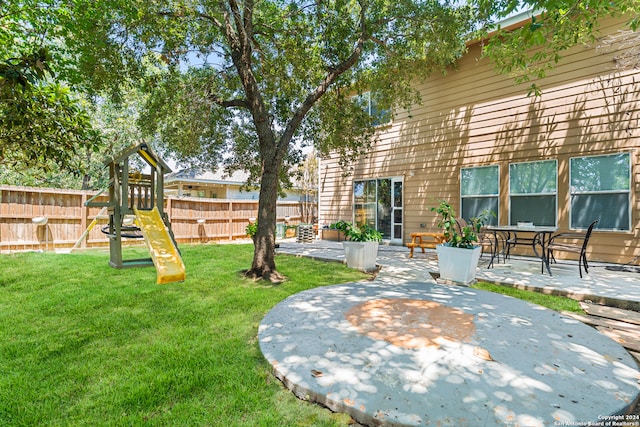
564	158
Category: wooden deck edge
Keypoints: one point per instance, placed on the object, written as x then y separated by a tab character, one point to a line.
601	321
625	340
616	313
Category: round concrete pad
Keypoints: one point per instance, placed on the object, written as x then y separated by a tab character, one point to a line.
420	354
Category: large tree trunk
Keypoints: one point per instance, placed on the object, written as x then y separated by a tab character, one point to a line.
264	265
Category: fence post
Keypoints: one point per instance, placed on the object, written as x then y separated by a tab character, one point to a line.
230	220
83	218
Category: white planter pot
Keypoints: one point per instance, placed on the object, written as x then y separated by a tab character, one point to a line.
361	255
458	264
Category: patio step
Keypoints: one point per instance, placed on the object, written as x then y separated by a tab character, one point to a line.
604	322
626	339
622	326
627	316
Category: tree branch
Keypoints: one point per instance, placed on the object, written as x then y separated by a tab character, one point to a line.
230	103
248	18
329	79
211	19
238	21
238	31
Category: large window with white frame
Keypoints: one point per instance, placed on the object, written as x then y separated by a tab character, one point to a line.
533	192
600	188
480	191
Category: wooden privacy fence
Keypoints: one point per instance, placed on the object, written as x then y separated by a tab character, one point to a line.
47	219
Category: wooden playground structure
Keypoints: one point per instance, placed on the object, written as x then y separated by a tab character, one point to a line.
136	210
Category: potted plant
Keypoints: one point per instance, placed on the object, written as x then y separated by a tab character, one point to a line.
361	246
290	230
458	256
331	233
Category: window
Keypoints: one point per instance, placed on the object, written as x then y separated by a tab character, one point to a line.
479	191
533	192
369	104
601	189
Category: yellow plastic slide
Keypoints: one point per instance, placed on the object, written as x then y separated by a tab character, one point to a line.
164	253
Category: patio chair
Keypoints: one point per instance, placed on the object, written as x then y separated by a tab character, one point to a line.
496	241
572	242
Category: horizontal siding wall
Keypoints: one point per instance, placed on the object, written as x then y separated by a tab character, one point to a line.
192	219
473	117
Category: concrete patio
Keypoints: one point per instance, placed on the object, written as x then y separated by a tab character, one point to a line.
404	350
601	285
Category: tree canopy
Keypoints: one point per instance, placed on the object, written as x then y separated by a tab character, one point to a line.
274	76
248	84
42	123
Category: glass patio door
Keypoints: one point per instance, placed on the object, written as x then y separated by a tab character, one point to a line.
378	202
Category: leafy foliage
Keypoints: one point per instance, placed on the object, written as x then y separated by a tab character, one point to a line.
251	229
25	71
42	124
529	52
459	234
358	232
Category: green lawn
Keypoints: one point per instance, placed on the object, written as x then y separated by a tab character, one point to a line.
554	302
84	344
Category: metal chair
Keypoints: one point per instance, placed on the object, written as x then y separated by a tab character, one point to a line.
572	242
496	241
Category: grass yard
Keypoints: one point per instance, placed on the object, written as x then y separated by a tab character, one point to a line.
83	344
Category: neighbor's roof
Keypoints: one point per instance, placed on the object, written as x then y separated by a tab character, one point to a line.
202	176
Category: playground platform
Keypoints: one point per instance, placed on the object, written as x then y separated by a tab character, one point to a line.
404	350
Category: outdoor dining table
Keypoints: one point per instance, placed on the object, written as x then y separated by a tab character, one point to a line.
541	236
